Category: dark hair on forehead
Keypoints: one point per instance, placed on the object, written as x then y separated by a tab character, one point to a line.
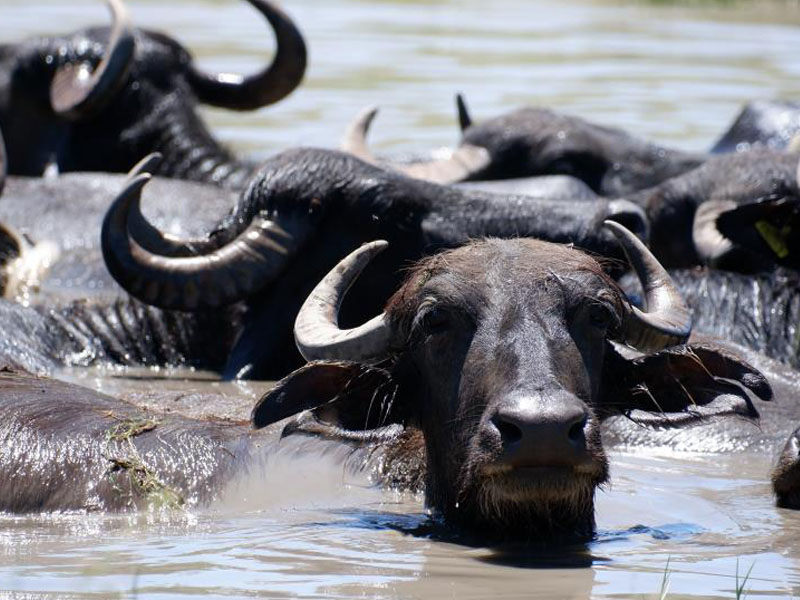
533	258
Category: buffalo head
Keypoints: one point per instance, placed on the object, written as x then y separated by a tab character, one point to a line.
786	475
305	208
537	141
736	211
101	98
499	356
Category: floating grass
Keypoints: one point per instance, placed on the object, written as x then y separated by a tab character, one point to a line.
130	428
129	474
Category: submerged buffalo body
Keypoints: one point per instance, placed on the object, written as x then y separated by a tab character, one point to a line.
305	208
772	124
43	338
60	305
66	447
760	312
100	99
531	142
537	141
485	381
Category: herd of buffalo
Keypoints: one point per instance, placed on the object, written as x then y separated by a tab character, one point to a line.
466	325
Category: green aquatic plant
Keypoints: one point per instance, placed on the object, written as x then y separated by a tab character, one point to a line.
130	428
129	474
740	593
665	581
663	593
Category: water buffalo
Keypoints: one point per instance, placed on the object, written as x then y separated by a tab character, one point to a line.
786	475
304	208
732	211
488	375
535	141
772	124
100	99
691	211
538	141
498	356
59	240
60	305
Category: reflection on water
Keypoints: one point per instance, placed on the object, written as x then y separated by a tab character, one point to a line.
304	527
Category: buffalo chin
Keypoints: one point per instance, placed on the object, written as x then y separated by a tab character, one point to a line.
531	504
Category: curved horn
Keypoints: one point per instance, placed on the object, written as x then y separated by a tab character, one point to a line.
354	140
226	275
75	91
278	80
464	120
709	242
147	165
465	161
148	236
3	167
631	216
667	321
316	330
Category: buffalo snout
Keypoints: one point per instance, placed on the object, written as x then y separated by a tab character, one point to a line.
542	433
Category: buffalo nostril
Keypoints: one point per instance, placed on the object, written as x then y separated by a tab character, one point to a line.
575	432
542	434
509	433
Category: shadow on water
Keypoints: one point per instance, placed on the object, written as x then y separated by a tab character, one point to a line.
670	531
527	555
523	555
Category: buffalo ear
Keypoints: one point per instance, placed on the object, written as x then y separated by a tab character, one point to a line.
681	385
317	384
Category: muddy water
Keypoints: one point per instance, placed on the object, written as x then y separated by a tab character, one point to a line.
306	527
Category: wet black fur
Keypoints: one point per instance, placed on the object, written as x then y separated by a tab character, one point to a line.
155	110
742	178
344	202
538	141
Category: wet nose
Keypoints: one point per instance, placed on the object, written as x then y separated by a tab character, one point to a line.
534	433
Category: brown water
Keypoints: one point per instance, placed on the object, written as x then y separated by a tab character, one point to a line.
674	72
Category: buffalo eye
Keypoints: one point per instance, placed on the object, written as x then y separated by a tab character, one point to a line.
435	320
601	316
432	318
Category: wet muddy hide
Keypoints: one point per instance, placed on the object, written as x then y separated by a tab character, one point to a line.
66	447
